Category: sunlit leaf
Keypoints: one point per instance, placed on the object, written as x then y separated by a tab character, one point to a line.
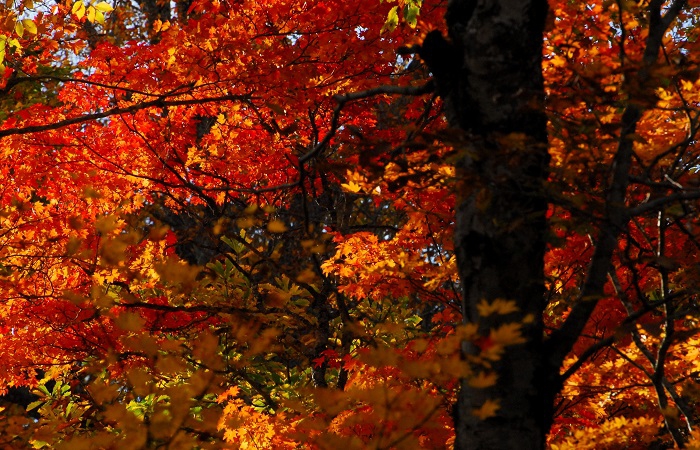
29	26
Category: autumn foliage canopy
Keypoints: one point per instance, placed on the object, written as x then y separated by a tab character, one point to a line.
229	224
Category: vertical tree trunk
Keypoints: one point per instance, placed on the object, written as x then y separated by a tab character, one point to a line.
494	93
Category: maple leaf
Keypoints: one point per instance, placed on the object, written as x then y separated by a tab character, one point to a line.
200	198
318	362
488	409
498	306
483	379
507	334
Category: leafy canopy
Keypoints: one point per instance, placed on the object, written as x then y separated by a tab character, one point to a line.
230	224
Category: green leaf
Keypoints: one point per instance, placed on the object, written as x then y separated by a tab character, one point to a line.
411	15
34	405
217	267
236	246
302	302
413	320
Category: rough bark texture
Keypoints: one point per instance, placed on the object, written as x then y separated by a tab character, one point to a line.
494	93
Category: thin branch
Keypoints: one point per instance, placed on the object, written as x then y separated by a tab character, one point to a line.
616	214
159	103
658	203
354	96
12	82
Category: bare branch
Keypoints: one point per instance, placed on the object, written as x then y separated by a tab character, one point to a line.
658	203
354	96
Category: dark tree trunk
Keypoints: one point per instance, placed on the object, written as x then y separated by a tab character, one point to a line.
494	93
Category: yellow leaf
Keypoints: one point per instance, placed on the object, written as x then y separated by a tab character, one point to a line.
76	6
276	226
467	332
245	222
158	233
91	14
306	276
420	345
351	187
488	409
670	412
170	364
498	306
115	412
392	20
114	251
74	297
29	25
105	224
130	321
507	334
140	380
205	347
19	29
80	12
178	273
100	17
483	380
490	353
90	192
104	7
103	392
558	61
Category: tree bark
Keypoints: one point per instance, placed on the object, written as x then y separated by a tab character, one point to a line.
494	93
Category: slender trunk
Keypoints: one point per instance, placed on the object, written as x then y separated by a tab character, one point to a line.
494	93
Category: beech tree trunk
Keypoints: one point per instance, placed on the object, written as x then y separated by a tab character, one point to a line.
493	91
